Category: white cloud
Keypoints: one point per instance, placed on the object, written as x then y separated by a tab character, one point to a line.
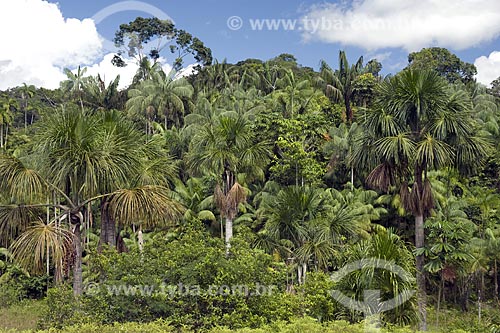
188	70
488	68
108	72
37	42
380	57
410	24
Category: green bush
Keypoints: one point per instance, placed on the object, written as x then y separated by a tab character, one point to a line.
16	285
181	274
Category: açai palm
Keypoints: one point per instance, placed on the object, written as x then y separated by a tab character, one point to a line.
417	125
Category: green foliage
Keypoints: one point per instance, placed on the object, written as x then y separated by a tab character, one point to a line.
298	160
272	131
133	37
317	298
444	62
16	284
187	277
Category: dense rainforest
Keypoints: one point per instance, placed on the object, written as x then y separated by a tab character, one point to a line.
151	204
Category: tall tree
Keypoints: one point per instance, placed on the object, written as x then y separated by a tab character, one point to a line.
495	88
417	125
447	64
75	84
339	84
293	95
228	149
6	116
27	92
133	39
102	96
84	158
163	93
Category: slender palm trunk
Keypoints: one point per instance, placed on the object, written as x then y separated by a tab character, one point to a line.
495	277
140	239
1	135
229	233
77	268
47	263
421	292
221	229
352	178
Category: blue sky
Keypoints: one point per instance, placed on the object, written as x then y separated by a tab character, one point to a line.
385	29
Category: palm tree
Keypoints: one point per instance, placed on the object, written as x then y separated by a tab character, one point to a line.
294	219
169	93
27	92
293	94
100	96
85	158
6	117
449	231
269	77
75	84
213	78
141	102
384	247
339	84
339	147
227	149
310	225
417	125
193	195
162	93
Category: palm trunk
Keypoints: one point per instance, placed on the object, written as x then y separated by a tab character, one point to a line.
108	226
1	135
229	233
352	178
221	229
348	110
495	277
77	268
140	239
421	292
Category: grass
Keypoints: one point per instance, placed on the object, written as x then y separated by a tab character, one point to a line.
23	317
20	317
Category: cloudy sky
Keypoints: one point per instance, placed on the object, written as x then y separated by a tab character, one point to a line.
40	38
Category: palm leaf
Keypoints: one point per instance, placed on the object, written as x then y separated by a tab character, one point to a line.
146	205
30	250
